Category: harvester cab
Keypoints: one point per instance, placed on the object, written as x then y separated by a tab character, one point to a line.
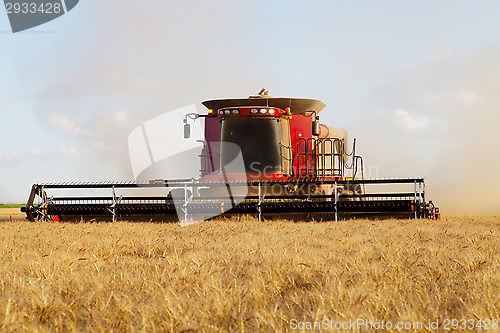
261	155
281	140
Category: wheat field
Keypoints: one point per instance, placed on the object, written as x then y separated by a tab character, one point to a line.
242	275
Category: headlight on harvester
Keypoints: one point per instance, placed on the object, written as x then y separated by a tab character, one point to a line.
254	111
263	111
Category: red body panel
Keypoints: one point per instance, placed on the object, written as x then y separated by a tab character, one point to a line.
212	139
300	127
301	131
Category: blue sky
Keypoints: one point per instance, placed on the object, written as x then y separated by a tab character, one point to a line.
415	82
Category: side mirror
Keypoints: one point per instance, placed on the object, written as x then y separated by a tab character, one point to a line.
315	127
187	131
187	127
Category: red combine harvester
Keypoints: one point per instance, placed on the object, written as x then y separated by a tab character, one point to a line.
290	166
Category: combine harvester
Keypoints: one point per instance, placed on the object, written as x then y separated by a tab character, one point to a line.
261	156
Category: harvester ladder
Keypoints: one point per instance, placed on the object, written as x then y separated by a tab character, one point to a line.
305	158
330	154
319	157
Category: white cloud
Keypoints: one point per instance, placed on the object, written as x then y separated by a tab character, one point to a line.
10	156
69	151
62	122
118	117
410	121
467	98
67	125
38	151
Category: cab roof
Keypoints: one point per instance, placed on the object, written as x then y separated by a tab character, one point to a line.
296	105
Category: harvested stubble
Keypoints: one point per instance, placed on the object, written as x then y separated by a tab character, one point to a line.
242	275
